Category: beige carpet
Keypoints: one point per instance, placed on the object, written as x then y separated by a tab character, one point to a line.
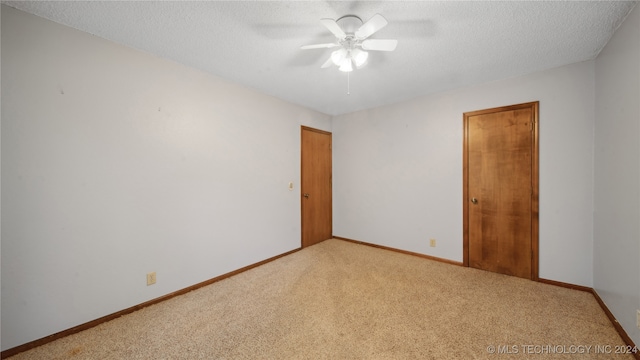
339	300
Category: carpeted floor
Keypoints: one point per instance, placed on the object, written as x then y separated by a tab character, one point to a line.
339	300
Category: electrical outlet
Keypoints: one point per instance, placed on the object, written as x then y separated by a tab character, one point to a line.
151	278
432	242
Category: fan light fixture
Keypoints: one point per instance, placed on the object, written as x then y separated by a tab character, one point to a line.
352	36
346	58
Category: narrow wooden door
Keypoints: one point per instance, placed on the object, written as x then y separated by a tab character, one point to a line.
501	190
316	196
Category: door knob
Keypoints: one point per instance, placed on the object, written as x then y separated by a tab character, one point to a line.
306	195
474	200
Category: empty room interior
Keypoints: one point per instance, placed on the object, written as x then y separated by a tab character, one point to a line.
152	151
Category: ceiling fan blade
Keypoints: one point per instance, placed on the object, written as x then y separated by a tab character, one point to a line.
327	63
319	46
379	44
374	24
335	29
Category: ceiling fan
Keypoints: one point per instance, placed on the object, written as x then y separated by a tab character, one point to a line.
353	39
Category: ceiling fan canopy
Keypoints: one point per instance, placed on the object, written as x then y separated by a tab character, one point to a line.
352	37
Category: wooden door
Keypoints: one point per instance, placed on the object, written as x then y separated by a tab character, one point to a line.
501	190
316	193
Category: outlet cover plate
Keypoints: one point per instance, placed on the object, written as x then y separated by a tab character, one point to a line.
151	278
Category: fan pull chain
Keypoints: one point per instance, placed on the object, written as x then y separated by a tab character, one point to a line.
348	83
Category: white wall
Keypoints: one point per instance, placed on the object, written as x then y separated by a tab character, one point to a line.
116	163
398	169
617	175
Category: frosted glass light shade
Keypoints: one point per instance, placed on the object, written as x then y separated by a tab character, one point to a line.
338	56
346	65
359	57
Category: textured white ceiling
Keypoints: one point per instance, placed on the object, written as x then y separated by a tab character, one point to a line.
442	45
